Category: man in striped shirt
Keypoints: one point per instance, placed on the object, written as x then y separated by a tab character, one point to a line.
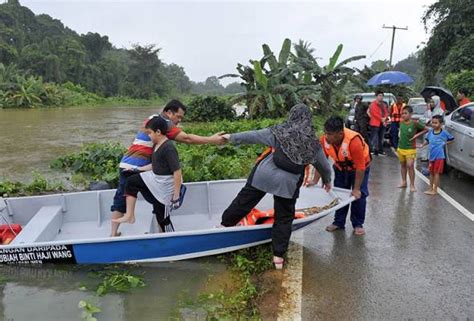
138	156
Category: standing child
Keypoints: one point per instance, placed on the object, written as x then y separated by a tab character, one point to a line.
436	139
409	131
161	185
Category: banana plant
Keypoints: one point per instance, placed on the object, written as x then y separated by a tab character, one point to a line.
332	78
28	93
274	85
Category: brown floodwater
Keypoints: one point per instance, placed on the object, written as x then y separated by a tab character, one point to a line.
31	139
45	293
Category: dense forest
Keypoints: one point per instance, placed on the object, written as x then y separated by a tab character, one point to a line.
44	63
42	47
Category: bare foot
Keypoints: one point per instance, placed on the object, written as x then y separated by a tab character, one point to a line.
431	192
412	189
116	234
402	185
125	219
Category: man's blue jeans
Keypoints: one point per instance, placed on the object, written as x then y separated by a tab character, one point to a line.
346	180
376	138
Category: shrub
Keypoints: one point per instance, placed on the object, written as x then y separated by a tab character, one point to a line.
209	108
99	161
38	185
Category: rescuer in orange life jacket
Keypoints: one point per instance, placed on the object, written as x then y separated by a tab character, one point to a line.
395	116
351	157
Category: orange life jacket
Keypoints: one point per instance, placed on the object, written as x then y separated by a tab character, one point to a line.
262	217
397	112
342	157
8	233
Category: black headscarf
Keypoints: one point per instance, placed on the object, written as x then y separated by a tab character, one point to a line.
297	137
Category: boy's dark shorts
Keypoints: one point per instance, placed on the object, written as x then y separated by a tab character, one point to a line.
119	203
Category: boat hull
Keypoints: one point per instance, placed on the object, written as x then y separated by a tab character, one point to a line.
153	247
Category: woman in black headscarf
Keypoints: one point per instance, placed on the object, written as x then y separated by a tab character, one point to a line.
279	171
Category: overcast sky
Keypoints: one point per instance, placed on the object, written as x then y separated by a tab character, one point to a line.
210	38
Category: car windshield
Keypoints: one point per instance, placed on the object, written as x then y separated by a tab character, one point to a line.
414	101
419	109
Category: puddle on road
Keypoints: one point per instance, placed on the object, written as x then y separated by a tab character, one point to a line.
53	292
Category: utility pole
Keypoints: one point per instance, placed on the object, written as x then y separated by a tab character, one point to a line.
393	40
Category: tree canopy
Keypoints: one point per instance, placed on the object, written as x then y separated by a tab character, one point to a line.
449	48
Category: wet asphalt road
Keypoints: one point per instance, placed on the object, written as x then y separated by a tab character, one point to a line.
416	260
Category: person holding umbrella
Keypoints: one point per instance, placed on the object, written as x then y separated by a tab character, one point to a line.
446	100
378	113
436	108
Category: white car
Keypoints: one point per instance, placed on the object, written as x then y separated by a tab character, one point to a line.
415	101
460	124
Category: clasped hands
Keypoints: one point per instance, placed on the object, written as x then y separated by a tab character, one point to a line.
220	138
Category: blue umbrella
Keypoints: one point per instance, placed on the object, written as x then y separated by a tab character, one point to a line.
390	78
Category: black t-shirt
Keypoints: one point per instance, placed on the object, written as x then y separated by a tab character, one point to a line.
165	159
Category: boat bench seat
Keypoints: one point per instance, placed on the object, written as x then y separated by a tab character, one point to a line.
43	227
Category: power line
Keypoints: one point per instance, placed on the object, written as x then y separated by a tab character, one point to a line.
380	45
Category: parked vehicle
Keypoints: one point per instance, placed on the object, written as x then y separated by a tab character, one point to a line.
415	101
460	123
367	98
74	228
420	107
420	113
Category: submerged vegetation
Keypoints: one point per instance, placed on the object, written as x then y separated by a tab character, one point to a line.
99	161
39	185
96	161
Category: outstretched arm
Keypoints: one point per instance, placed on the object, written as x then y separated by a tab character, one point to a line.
420	133
262	136
183	137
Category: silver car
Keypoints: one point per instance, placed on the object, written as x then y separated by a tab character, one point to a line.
420	113
415	101
460	123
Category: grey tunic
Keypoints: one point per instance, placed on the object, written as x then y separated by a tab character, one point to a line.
270	178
